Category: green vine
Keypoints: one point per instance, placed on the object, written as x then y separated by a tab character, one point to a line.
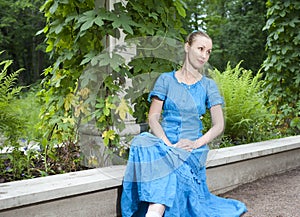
84	82
282	64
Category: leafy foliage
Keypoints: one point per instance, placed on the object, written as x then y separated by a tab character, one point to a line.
21	156
26	161
19	22
11	124
235	27
9	121
84	82
282	64
246	117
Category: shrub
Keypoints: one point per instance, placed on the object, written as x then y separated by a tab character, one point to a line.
10	123
282	64
247	119
21	154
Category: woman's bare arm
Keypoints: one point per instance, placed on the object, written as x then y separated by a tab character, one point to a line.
153	119
216	129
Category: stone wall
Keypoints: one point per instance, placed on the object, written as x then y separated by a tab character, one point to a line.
96	192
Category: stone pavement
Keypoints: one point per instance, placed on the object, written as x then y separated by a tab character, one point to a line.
273	196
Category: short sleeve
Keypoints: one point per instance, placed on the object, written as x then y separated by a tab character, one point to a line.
213	94
159	89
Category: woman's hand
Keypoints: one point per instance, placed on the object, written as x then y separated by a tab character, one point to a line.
186	144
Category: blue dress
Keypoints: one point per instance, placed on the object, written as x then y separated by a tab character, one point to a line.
157	173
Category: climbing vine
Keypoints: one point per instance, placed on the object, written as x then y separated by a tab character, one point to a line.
282	64
85	71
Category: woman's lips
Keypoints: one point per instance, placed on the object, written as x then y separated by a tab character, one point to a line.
201	62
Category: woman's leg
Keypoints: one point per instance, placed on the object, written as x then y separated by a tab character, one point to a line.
155	210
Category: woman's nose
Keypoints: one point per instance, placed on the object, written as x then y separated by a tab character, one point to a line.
204	55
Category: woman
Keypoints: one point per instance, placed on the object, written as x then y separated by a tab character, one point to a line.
165	174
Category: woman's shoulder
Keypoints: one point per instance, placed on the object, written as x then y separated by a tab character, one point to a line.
207	81
161	86
166	77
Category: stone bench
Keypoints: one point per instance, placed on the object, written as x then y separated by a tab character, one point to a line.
96	192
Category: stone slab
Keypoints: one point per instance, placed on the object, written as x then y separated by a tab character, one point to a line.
20	193
221	179
233	154
94	204
96	192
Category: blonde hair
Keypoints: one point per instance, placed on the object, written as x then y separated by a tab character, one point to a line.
191	37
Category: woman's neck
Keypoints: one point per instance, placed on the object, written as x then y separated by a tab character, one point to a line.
190	76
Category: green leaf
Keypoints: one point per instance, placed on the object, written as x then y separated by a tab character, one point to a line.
123	22
179	6
94	60
116	61
88	57
88	24
154	15
58	28
99	21
104	59
54	7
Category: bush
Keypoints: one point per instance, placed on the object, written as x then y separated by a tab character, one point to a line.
247	119
21	155
282	64
10	122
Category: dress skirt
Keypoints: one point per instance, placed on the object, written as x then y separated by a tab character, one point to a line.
157	173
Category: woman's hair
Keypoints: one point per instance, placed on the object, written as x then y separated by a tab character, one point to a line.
191	37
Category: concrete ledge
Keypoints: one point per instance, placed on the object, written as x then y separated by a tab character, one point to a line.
227	168
218	157
20	193
96	192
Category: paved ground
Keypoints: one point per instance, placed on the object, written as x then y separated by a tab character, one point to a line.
273	196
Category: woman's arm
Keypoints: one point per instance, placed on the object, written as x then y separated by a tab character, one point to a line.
216	129
153	119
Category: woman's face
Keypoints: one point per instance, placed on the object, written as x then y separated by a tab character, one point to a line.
197	54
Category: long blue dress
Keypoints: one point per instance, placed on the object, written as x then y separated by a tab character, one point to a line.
157	173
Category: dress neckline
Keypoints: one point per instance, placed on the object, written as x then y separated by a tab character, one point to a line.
184	84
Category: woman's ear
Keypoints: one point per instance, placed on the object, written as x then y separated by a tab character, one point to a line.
186	47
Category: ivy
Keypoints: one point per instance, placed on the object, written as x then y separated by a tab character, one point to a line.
86	78
282	64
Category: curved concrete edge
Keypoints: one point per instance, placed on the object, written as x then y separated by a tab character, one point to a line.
96	192
24	192
218	157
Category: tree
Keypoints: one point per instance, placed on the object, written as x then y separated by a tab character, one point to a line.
236	29
19	22
282	64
